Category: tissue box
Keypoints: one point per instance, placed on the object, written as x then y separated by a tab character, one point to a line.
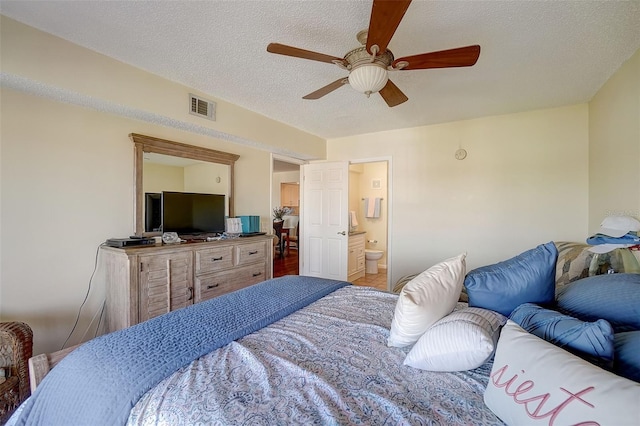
250	223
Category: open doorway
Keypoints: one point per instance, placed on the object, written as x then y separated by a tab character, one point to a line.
370	216
285	198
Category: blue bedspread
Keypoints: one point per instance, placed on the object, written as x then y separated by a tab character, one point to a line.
102	380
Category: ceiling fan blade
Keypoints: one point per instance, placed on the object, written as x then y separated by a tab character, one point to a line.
282	49
392	95
385	18
460	57
327	89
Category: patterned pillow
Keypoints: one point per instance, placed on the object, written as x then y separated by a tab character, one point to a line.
425	299
595	339
463	340
573	262
533	382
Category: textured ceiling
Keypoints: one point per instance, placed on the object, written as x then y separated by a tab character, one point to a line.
535	54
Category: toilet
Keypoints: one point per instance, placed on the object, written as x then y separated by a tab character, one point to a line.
371	260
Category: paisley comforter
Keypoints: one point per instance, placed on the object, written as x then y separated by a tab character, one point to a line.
325	364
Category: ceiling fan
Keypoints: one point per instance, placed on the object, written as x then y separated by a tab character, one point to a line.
369	64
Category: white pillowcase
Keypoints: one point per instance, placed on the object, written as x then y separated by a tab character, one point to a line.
462	340
425	299
534	382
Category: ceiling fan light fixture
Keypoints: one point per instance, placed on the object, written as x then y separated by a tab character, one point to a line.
368	78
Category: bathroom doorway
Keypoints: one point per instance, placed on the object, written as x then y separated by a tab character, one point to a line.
369	207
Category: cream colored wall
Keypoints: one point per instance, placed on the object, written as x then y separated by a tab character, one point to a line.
524	182
67	171
67	186
34	55
160	177
62	206
355	171
614	146
202	178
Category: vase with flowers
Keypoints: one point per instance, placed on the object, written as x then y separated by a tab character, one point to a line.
280	212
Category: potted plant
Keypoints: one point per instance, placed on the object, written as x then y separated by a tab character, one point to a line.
279	213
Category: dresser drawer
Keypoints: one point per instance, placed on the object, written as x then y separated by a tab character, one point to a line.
214	285
251	253
214	259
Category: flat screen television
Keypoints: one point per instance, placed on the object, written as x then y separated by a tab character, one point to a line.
192	213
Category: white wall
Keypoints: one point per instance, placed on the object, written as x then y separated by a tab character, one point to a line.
614	146
523	183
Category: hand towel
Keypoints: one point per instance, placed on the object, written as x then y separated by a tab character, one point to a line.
376	207
353	219
369	207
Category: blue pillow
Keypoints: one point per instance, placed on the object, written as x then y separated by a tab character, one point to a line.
590	338
528	277
627	355
614	297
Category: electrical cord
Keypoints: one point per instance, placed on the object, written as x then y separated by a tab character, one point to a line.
95	267
104	303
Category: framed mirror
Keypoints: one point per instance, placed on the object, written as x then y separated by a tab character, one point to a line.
162	155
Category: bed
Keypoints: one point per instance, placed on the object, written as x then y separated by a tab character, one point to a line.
297	350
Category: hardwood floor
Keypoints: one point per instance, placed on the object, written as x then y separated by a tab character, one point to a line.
286	266
289	266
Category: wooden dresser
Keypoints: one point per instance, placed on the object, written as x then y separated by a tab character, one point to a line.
147	281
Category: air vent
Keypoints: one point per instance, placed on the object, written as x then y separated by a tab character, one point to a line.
202	107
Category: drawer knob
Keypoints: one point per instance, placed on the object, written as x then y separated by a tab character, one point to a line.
215	259
257	274
209	287
253	252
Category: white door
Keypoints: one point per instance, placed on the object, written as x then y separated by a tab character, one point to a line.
325	196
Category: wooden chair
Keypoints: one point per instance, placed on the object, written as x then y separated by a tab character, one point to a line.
16	347
294	240
277	228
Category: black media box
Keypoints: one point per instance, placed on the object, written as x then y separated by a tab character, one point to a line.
129	242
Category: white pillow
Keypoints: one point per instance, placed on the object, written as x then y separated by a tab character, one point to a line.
534	382
425	299
462	340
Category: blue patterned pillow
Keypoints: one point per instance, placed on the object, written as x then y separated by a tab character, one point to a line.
589	338
528	277
627	355
614	297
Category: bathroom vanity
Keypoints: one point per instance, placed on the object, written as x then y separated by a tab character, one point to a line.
356	263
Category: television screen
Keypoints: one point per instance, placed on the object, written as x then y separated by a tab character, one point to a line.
191	213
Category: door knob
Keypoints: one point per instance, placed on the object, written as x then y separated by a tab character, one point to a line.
342	233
